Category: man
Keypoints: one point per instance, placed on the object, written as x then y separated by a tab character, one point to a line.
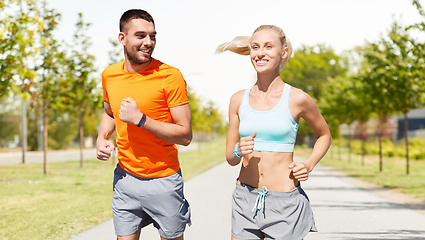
146	100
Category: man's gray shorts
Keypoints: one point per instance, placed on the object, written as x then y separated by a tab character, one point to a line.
138	202
284	215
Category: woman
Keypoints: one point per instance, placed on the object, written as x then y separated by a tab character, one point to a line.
268	202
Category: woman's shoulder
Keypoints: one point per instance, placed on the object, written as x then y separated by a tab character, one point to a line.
236	98
302	99
299	96
239	94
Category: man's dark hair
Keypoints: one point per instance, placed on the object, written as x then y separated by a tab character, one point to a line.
134	14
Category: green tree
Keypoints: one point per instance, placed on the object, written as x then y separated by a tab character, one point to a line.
91	122
9	120
50	66
206	120
345	101
418	6
81	94
379	85
63	129
311	67
198	116
19	24
365	103
215	118
33	128
116	53
395	75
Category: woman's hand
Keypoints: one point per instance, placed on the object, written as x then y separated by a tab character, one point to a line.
299	171
246	144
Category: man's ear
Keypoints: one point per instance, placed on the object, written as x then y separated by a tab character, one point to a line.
121	38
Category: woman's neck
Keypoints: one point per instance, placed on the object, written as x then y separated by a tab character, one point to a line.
267	82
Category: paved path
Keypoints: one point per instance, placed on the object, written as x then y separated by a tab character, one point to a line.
344	208
11	158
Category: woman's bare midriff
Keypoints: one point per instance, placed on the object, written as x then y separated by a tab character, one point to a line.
269	169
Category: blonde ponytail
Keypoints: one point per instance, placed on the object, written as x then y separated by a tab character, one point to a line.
242	44
239	45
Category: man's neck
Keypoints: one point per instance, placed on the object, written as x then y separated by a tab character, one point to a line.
129	67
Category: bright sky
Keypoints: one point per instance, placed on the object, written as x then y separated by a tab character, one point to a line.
190	30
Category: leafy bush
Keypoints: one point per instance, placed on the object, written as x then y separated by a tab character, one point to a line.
356	146
417	142
416	148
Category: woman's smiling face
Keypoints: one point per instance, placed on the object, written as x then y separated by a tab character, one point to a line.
266	51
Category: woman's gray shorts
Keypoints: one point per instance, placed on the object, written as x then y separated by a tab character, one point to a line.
138	202
284	215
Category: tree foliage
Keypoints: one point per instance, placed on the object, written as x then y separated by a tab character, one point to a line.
20	23
116	53
311	68
395	75
63	129
80	89
46	89
419	7
9	120
344	101
206	120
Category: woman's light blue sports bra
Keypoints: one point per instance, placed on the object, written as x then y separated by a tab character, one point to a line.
276	129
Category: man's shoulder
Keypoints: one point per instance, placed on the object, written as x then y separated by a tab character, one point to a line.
165	69
113	69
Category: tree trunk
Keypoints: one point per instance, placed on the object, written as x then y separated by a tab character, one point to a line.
380	153
364	137
44	110
363	151
339	150
24	130
406	132
81	138
381	130
349	143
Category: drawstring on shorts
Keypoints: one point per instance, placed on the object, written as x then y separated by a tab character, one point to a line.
259	203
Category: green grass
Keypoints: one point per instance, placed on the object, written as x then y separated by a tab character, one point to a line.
208	155
393	175
69	199
66	201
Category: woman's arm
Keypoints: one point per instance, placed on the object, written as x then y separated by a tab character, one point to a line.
233	132
319	126
309	111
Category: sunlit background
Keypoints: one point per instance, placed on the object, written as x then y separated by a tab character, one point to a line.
189	31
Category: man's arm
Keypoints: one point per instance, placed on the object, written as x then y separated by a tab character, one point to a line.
178	132
104	147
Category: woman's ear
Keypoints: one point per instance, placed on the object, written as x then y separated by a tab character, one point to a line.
285	53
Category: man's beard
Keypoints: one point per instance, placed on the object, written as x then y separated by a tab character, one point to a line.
134	59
